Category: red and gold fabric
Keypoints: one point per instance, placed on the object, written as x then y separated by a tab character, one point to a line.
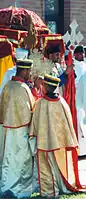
58	171
18	18
50	40
15	36
20	98
36	93
56	147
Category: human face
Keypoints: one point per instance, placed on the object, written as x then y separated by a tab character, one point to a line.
27	74
56	57
38	82
79	56
50	57
44	88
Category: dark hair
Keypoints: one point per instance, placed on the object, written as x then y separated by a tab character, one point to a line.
19	70
85	49
79	49
50	88
51	49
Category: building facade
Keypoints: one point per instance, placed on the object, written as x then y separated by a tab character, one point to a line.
57	14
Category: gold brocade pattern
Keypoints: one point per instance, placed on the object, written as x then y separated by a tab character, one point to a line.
52	169
16	96
52	124
45	172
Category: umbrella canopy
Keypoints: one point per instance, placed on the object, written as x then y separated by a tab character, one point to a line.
18	18
46	41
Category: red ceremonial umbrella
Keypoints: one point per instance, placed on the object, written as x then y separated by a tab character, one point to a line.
19	23
18	18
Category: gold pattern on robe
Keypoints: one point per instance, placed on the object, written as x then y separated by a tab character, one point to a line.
45	172
52	124
16	96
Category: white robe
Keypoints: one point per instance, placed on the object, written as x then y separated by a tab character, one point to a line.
16	165
17	162
85	59
80	83
80	68
17	174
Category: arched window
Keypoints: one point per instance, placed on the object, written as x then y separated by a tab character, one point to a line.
51	7
54	10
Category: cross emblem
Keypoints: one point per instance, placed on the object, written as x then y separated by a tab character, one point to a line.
74	38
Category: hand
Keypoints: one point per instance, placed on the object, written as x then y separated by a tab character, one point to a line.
69	68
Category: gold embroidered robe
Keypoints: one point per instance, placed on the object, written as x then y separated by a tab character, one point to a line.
56	147
16	106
